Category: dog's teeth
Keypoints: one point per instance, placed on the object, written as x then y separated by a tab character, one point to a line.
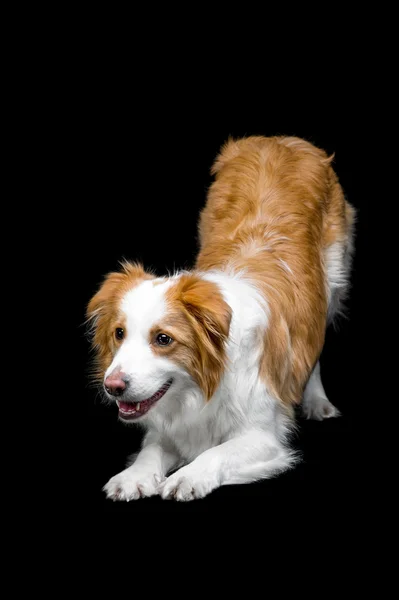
138	406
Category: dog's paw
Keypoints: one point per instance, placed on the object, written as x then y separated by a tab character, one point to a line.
185	486
132	485
319	408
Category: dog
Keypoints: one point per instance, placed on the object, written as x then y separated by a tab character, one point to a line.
213	362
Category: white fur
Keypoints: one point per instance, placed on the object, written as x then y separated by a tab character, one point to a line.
147	472
338	263
315	402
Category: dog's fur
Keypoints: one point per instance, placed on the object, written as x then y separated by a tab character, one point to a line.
248	324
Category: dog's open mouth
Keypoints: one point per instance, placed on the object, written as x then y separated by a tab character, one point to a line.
128	411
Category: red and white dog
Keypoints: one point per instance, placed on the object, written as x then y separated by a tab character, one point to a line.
212	362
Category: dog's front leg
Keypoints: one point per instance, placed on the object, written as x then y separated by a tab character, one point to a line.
248	457
143	477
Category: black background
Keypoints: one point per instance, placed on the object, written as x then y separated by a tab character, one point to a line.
143	170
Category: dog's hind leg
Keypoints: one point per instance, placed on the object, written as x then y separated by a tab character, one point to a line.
315	403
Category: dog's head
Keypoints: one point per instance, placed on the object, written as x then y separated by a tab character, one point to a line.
155	337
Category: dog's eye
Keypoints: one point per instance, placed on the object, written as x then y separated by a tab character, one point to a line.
163	339
119	333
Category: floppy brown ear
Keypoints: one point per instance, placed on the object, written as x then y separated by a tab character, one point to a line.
205	302
211	317
104	295
100	311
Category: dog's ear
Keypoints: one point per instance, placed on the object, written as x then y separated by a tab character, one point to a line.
204	301
99	314
113	286
104	295
210	316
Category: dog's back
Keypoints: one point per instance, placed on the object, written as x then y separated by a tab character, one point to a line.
277	213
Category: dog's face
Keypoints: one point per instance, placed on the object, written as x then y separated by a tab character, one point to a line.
154	338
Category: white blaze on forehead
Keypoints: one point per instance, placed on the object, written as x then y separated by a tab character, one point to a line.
144	306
